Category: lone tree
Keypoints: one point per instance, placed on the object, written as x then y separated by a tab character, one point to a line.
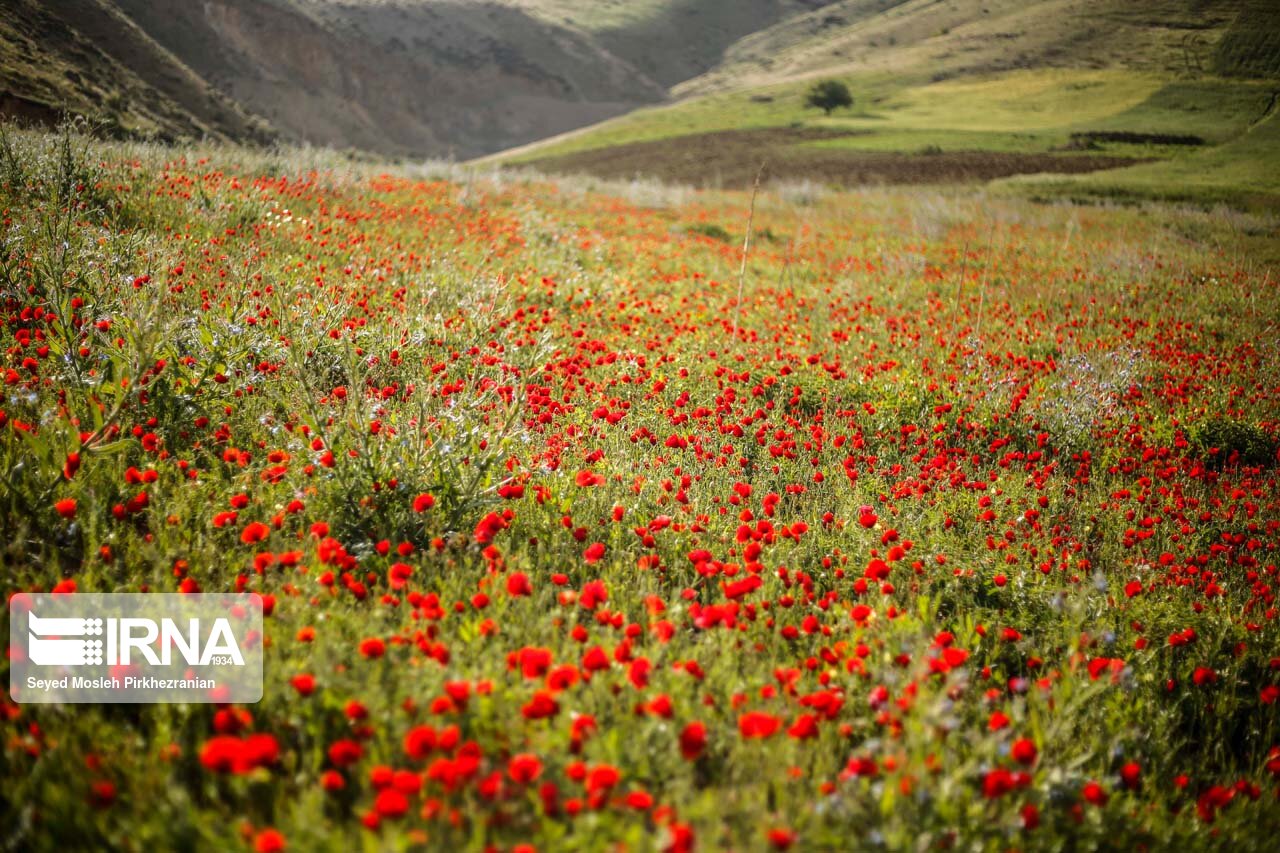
827	95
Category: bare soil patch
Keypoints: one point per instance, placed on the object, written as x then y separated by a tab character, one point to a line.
731	159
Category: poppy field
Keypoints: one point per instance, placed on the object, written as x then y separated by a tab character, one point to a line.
932	520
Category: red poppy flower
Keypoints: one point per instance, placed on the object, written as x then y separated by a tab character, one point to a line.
398	575
419	742
343	753
102	793
391	803
268	841
1131	775
602	777
541	706
997	782
594	593
805	727
518	584
640	801
595	659
693	740
524	768
231	754
533	662
488	527
758	724
781	839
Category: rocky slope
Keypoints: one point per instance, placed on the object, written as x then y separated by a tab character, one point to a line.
443	78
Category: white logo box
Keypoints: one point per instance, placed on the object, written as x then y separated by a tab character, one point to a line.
135	647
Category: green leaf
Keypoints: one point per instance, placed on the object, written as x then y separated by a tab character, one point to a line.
113	447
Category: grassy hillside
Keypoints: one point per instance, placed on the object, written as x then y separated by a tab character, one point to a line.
1251	45
698	91
1244	171
1058	87
930	39
1055	120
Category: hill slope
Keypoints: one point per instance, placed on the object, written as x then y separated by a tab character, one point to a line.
968	90
401	77
438	78
691	90
671	41
50	68
936	39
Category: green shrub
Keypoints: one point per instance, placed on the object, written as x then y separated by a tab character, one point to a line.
709	229
1223	442
828	95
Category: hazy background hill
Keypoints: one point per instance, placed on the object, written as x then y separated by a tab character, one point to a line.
1173	93
107	68
943	39
415	77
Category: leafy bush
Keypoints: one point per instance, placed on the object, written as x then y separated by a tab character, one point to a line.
1224	442
711	230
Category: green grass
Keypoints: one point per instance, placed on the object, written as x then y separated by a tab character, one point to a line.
970	37
1215	110
1017	112
778	106
1012	111
1151	71
921	421
1047	99
1020	111
940	139
1244	171
1251	45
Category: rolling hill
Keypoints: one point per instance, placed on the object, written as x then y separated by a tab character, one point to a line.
938	39
1135	96
695	91
436	78
49	69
